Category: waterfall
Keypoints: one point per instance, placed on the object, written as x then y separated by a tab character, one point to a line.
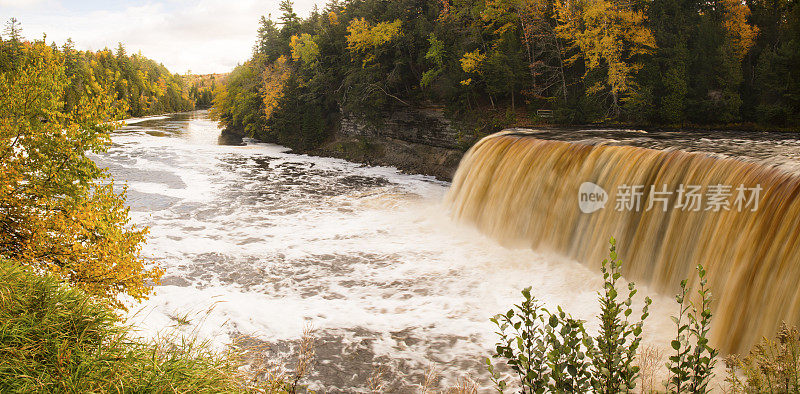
744	227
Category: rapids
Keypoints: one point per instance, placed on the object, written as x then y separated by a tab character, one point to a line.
258	243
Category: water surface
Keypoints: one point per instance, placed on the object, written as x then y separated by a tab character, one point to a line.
258	242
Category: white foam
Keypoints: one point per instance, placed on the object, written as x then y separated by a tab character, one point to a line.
270	251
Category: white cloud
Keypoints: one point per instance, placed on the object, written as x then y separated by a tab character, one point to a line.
19	3
202	36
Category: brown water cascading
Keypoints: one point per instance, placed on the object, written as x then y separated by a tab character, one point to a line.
524	191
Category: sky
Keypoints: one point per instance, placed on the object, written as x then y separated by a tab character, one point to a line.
205	36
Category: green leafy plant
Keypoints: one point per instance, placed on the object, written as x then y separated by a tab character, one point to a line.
570	368
678	365
523	345
614	354
692	366
551	352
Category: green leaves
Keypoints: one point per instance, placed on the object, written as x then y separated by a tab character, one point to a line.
551	351
618	340
692	366
542	348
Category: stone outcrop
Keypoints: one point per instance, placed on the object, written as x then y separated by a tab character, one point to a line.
420	141
427	126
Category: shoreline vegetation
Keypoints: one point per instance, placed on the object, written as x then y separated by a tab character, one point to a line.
494	64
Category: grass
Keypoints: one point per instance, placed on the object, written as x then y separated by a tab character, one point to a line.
55	338
772	366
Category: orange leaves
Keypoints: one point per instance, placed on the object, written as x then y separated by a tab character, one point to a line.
742	34
274	80
333	18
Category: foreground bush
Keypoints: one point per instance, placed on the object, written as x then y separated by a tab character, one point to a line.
54	338
552	352
773	366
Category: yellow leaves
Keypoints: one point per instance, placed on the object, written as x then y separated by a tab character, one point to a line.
274	77
304	49
56	213
502	15
471	62
86	240
363	37
333	18
607	34
742	34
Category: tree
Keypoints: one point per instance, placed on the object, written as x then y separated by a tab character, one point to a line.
270	44
238	104
772	89
364	38
58	213
13	31
121	53
666	72
435	55
274	80
611	35
305	50
740	33
289	20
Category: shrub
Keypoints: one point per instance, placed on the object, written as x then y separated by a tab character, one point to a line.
542	348
692	366
614	355
773	366
551	352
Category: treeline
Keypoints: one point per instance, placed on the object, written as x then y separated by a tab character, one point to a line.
648	62
202	88
137	85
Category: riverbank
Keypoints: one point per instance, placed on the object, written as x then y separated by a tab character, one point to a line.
409	157
423	141
414	140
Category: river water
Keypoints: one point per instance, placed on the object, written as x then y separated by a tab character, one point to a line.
258	243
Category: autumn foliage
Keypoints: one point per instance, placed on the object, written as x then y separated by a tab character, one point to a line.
59	212
490	64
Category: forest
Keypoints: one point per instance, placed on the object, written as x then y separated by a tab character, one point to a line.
133	84
497	63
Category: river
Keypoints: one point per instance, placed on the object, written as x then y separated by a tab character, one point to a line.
258	243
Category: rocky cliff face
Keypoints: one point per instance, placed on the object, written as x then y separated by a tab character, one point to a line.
421	126
414	140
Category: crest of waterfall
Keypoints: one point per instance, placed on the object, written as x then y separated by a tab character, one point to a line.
523	191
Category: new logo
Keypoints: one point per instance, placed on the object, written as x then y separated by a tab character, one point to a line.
591	197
